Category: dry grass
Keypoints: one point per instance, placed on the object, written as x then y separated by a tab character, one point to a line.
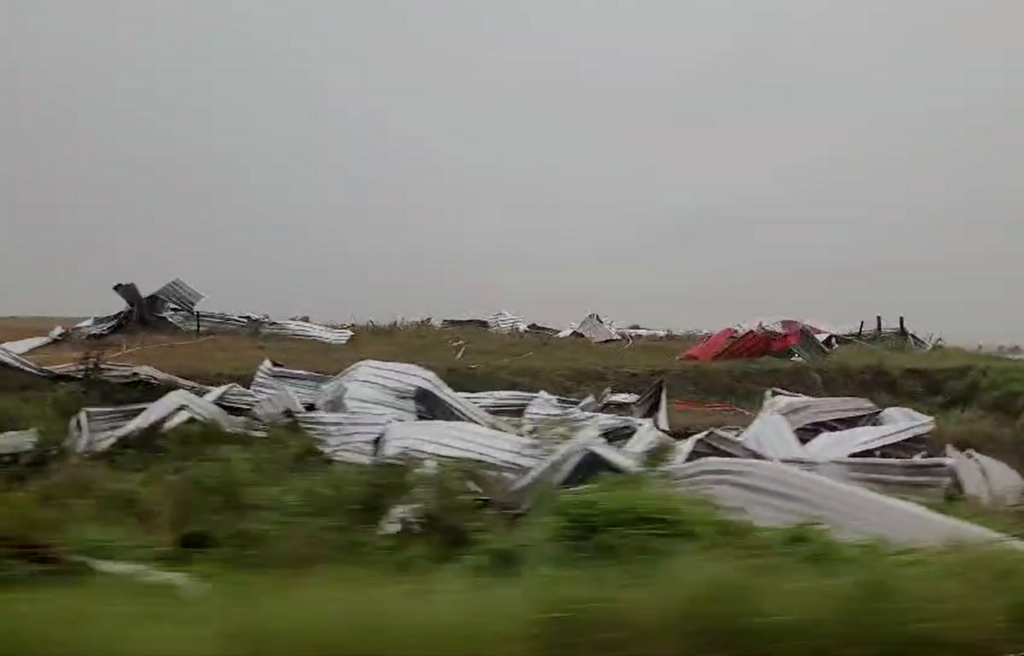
234	355
14	328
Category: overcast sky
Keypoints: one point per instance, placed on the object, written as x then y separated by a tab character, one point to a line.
674	163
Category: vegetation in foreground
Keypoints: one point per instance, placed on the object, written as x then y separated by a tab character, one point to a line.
290	546
290	543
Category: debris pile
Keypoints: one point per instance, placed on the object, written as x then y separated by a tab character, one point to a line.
841	462
173	307
592	327
786	339
797	340
852	440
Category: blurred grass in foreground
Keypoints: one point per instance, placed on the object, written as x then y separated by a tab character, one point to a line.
709	603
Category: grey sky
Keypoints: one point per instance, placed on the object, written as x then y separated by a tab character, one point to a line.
676	163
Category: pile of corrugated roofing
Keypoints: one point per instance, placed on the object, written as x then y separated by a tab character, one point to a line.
854	441
786	339
173	306
841	462
797	340
592	327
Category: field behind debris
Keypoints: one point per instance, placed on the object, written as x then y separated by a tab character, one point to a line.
290	547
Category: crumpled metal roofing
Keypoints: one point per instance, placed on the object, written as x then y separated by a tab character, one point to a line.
772	436
180	294
176	304
259	325
843	444
407	391
986	479
714	442
97	429
774	494
544	414
271	377
925	478
504	322
23	346
801	411
19	441
596	330
234	396
511	403
346	437
460	440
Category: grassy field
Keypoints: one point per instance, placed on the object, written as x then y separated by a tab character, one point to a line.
289	542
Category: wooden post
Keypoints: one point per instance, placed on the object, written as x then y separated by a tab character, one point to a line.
903	327
878	325
860	331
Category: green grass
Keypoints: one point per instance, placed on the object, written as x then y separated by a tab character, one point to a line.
701	602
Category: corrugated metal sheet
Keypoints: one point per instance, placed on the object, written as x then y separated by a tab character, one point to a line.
271	377
176	303
213	322
772	436
544	415
462	441
23	346
344	437
20	441
986	480
504	322
510	403
801	411
711	443
774	494
97	429
234	397
15	361
751	344
180	294
376	386
924	478
596	330
710	347
843	444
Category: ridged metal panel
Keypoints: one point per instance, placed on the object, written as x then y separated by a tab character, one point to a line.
843	444
377	386
20	441
510	402
258	325
270	377
97	429
801	411
504	322
179	294
924	478
596	330
346	437
462	441
775	494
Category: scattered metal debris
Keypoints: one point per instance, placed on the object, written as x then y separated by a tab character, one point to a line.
21	441
852	440
594	329
173	307
837	461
